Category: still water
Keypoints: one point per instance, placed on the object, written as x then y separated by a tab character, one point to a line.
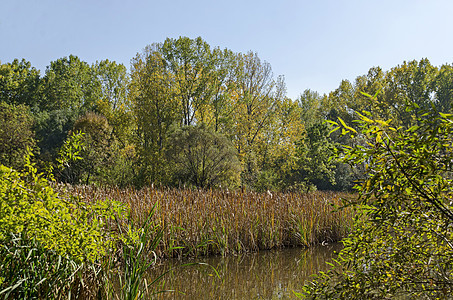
263	275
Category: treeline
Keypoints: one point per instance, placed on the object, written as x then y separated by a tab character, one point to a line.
187	114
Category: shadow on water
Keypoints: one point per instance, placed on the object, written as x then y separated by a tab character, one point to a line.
273	274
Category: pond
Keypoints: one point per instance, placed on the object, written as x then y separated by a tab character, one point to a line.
273	274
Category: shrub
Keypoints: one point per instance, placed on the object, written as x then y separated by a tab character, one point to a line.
47	239
402	242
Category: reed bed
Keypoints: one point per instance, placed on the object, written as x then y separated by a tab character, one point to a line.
198	222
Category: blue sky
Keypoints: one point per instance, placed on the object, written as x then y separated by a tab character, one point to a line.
314	44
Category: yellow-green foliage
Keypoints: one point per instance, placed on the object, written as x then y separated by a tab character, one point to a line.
31	207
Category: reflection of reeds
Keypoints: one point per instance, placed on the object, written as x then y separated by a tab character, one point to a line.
271	274
223	222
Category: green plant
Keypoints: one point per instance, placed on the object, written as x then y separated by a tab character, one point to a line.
137	257
402	243
47	238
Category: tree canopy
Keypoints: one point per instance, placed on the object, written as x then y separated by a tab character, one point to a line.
280	143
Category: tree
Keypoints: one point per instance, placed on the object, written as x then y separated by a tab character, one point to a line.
410	82
69	84
113	102
98	153
314	167
16	134
256	101
443	87
203	158
190	63
222	88
401	245
51	129
310	105
277	149
20	84
155	111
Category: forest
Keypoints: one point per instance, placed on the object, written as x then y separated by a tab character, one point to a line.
197	150
188	114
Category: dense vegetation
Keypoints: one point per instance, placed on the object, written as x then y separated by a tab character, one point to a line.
190	116
133	121
401	245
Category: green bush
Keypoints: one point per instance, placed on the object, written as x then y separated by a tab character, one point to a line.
48	240
402	245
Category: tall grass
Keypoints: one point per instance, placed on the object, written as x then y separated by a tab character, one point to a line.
197	222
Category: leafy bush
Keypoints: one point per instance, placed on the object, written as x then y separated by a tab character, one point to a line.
203	158
47	238
402	245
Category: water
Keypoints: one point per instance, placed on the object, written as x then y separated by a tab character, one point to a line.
264	275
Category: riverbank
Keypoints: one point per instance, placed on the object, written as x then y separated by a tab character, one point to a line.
198	223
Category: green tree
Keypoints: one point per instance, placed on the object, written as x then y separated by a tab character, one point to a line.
443	88
310	104
222	87
189	60
277	149
16	134
257	98
113	102
410	82
314	168
203	158
69	84
401	245
98	153
20	84
155	111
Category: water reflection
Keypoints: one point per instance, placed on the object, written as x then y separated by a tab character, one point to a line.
264	275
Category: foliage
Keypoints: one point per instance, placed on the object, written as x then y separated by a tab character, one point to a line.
69	84
98	153
112	80
52	129
186	82
20	84
203	158
189	61
155	111
47	237
16	134
402	242
314	151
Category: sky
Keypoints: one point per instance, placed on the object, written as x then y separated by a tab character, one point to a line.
313	44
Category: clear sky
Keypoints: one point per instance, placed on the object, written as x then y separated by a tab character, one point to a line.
314	44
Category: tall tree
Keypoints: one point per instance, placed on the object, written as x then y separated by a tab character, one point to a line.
190	62
155	107
222	87
443	88
69	83
113	102
410	82
257	98
20	84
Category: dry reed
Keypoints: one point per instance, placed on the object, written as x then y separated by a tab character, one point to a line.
197	222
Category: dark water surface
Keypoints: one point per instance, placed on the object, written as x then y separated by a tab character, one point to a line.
271	274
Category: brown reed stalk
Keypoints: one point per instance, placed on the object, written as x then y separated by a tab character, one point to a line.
198	222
